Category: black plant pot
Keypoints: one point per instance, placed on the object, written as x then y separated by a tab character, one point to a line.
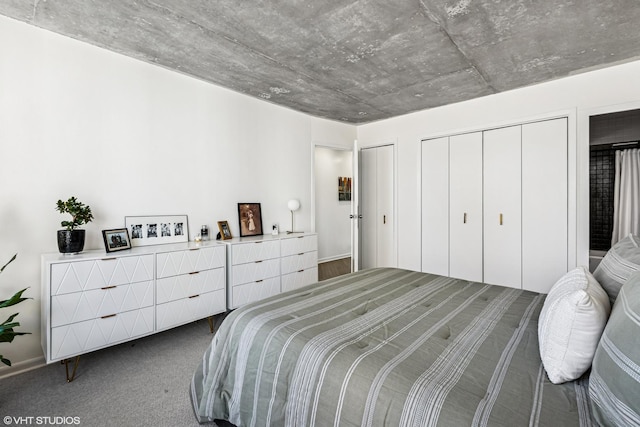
70	241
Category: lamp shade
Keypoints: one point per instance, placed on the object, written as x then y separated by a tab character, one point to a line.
293	205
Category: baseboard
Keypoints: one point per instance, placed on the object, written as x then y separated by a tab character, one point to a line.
333	258
20	367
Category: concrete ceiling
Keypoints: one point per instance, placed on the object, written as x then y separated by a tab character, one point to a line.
354	61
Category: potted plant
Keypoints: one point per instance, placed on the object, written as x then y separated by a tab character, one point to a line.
71	240
7	332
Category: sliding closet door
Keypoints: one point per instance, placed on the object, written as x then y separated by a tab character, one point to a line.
435	206
544	204
502	207
465	206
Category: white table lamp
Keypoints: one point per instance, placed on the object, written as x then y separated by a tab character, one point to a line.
293	205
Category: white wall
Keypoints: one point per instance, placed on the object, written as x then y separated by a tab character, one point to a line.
332	216
595	92
130	138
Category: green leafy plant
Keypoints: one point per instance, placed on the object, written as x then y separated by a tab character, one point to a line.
7	332
80	213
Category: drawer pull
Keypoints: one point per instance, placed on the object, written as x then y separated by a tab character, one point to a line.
194	296
108	287
194	249
194	272
301	253
300	237
258	262
300	271
108	315
258	281
257	242
108	259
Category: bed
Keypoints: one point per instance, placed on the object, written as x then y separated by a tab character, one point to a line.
385	347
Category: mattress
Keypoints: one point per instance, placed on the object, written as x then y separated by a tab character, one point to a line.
385	347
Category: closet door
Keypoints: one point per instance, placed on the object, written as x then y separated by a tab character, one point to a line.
376	199
465	206
435	206
368	202
544	204
385	214
502	207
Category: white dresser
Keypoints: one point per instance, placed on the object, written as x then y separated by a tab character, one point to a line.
263	266
190	285
95	299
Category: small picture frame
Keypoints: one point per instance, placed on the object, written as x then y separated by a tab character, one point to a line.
116	239
250	218
225	231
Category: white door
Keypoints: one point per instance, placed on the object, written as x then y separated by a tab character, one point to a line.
377	247
465	206
544	204
435	206
355	209
367	196
385	213
502	207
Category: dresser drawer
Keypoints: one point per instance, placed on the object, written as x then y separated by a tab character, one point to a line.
299	244
82	337
299	279
190	261
255	251
250	292
79	276
188	309
299	262
258	270
95	303
177	287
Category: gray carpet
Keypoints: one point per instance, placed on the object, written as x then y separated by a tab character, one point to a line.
140	383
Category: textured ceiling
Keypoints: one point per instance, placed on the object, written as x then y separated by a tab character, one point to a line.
354	61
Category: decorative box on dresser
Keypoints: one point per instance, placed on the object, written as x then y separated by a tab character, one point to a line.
263	266
94	299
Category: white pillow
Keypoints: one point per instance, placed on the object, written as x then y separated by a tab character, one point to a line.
571	322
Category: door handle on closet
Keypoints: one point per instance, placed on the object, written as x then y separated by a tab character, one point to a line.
384	219
464	218
500	219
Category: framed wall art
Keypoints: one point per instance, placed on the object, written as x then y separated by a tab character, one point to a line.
225	231
250	217
116	239
157	229
344	188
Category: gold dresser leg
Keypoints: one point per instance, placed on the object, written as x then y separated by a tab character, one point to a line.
65	362
210	320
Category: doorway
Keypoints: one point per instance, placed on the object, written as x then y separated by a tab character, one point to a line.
608	133
333	185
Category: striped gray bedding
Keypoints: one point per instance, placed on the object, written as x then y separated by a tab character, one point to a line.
385	347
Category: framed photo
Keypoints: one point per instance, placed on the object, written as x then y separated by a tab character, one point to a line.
157	229
116	239
225	231
250	218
